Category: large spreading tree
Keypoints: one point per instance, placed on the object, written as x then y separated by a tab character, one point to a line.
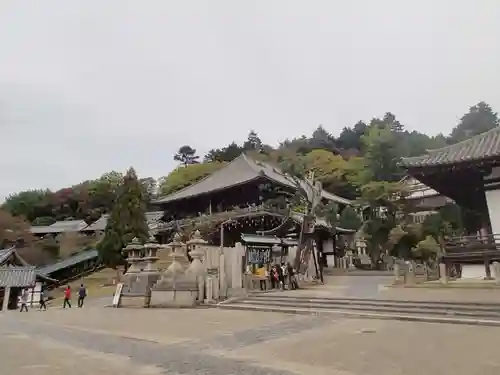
126	221
186	155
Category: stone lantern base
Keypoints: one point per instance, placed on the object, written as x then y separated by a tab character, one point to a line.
183	293
136	289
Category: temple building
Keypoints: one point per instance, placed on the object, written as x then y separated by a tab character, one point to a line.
468	173
244	197
423	200
15	275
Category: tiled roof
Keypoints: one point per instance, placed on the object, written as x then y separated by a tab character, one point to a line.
98	225
60	226
68	262
151	217
241	170
479	147
17	276
5	254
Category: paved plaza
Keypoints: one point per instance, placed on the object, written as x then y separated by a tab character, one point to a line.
219	342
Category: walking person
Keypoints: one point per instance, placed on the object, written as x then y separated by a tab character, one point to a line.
24	300
67	297
291	275
42	301
281	279
82	293
274	278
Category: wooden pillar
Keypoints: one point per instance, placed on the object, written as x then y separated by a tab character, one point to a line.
6	297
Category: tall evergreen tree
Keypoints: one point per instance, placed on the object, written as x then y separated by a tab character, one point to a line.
186	155
479	119
253	142
381	153
127	220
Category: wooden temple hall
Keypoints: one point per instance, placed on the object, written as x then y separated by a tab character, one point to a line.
246	197
469	173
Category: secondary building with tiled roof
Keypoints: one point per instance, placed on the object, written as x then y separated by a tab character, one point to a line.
483	148
469	173
152	217
15	275
60	227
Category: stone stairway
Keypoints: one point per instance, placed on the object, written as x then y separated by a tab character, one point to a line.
429	311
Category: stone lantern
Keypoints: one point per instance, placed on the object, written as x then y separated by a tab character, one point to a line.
133	253
175	288
151	254
176	253
197	268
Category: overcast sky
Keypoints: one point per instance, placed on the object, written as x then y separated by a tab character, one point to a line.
97	85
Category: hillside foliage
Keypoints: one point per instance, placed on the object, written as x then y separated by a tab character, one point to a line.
361	163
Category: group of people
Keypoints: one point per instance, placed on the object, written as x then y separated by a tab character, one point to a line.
82	293
281	276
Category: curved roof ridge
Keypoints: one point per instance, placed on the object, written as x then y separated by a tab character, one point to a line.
479	147
461	143
184	192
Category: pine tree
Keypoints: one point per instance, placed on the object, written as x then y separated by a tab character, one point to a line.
127	220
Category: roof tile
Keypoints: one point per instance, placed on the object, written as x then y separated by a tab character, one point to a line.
479	147
17	276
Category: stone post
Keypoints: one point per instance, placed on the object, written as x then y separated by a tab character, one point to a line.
496	272
443	277
397	272
6	297
197	268
222	276
209	288
236	269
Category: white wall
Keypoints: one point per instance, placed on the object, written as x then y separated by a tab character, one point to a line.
493	202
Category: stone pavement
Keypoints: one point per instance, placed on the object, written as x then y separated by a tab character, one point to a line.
378	287
214	342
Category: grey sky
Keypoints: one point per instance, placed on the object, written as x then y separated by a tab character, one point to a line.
95	85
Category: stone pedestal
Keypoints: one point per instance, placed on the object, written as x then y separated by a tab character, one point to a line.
443	276
397	272
473	271
410	273
176	288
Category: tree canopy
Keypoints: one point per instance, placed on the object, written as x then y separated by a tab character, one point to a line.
186	155
358	163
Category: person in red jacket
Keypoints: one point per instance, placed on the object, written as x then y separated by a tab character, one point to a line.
67	297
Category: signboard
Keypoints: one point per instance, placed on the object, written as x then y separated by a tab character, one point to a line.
258	254
118	294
